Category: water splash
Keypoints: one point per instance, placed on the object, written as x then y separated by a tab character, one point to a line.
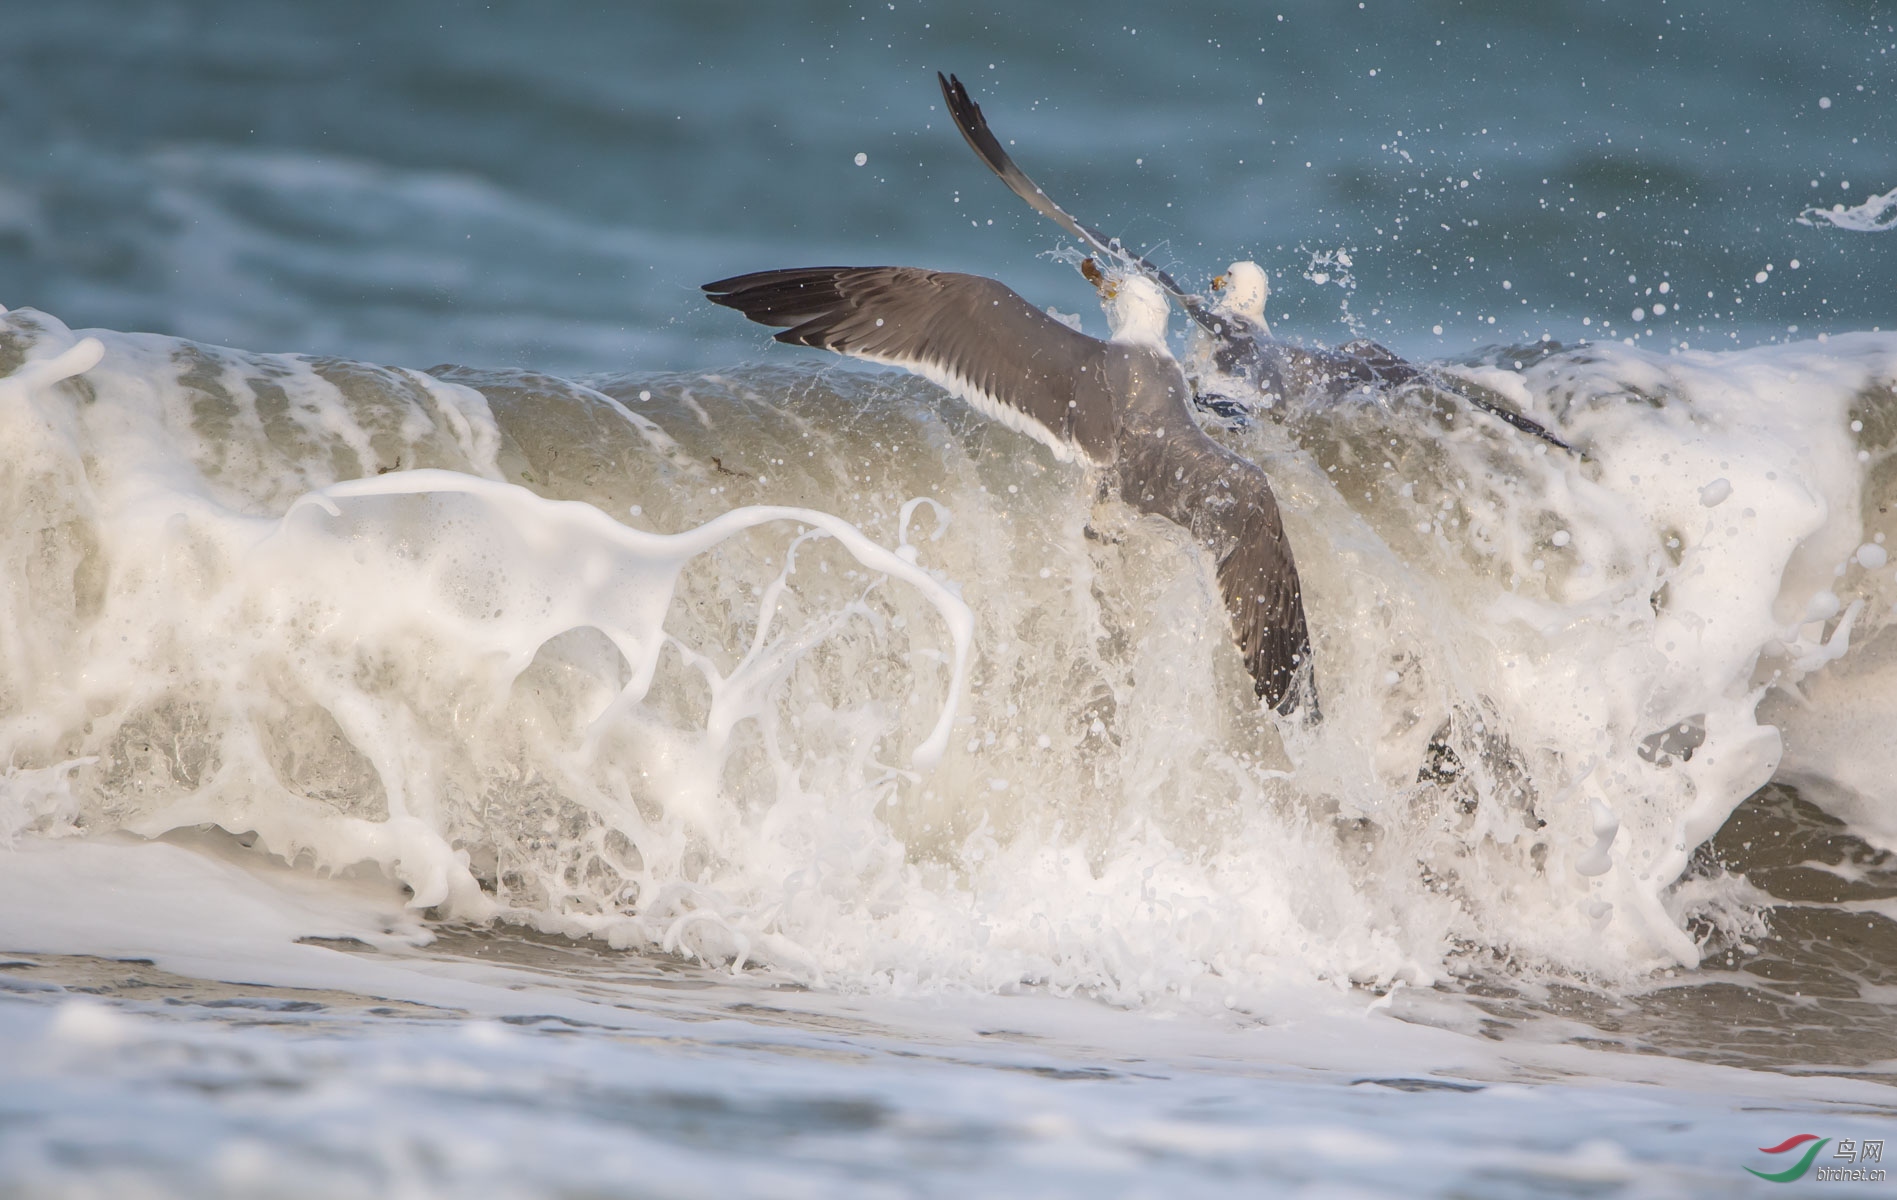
1875	215
380	616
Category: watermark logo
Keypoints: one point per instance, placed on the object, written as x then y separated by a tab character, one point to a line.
1847	1149
1796	1170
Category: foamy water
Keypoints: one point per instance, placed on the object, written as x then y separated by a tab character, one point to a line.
812	679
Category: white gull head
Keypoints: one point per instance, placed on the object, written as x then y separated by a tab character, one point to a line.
1136	311
1242	291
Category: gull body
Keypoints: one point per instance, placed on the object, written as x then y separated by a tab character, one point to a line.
1243	366
1122	405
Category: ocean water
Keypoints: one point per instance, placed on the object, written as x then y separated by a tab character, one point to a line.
478	718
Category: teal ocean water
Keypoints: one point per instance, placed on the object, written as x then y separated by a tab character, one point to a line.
497	183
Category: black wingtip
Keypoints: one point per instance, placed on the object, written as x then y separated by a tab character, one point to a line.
1527	425
724	292
973	126
781	297
718	289
1296	695
959	91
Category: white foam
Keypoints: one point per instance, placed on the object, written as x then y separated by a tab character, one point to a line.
389	616
1688	547
167	1096
738	746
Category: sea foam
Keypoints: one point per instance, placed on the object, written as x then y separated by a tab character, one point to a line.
817	670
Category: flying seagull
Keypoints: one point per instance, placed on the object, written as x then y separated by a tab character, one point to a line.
1241	344
1121	405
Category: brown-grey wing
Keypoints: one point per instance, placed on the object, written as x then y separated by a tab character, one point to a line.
1332	372
1265	600
971	335
987	147
1383	364
1228	506
1378	364
1527	425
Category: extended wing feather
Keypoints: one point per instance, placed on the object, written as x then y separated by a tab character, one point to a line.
972	336
987	147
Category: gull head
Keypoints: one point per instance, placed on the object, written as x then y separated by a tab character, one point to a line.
1136	307
1242	291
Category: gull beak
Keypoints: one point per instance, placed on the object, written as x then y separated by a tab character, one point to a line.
1091	271
1218	283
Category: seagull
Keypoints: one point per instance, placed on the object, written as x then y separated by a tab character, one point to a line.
1121	405
1243	349
1241	345
1241	293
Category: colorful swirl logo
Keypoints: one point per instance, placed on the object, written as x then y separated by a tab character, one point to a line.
1796	1170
